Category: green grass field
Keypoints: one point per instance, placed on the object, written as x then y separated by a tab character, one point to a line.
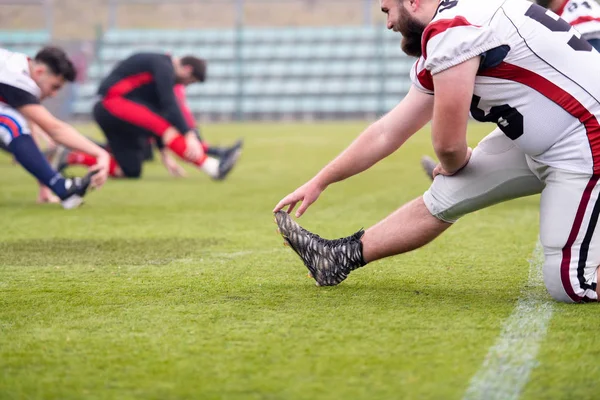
181	289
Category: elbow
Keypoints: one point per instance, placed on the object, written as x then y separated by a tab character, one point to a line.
451	156
448	150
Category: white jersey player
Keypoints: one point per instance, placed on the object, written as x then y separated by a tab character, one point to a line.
505	61
584	15
24	83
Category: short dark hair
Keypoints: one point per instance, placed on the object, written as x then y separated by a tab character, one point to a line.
57	60
198	66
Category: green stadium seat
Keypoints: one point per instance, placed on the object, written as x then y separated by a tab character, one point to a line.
34	37
283	70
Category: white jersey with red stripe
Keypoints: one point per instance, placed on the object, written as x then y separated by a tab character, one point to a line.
584	15
538	80
17	89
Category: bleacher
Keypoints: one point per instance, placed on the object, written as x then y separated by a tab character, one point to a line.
24	41
342	72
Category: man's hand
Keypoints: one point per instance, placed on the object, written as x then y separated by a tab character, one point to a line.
102	167
171	165
307	194
194	148
45	195
438	170
66	135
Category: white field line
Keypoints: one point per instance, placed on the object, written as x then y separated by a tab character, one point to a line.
509	362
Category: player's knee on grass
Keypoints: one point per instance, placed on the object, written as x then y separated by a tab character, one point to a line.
131	170
555	285
553	282
565	278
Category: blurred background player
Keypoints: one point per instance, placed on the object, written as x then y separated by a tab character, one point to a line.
23	84
68	158
583	15
143	100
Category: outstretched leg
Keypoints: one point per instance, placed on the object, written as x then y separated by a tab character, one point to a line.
408	228
497	172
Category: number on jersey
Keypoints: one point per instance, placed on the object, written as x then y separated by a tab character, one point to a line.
574	6
545	17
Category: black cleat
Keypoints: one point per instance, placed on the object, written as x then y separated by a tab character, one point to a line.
236	147
220	152
328	261
428	165
76	190
228	160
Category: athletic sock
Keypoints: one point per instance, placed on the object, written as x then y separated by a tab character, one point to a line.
112	167
80	158
179	146
31	158
211	167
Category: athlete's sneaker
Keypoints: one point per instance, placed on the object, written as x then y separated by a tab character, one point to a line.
235	148
428	165
227	162
57	157
76	190
328	261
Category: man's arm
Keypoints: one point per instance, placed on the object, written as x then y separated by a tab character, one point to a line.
453	96
184	107
40	136
170	108
378	141
65	134
169	104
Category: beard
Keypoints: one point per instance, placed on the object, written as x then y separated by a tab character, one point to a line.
412	33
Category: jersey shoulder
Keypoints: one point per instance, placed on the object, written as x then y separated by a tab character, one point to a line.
14	72
460	30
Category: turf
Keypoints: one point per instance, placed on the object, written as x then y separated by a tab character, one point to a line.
180	288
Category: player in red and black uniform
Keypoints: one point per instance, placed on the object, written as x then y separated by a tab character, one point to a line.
138	102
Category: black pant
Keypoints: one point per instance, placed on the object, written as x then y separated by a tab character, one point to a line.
129	144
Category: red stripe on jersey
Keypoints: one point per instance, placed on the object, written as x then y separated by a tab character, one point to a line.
562	7
440	26
565	265
128	84
10	124
425	79
583	20
136	114
555	93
